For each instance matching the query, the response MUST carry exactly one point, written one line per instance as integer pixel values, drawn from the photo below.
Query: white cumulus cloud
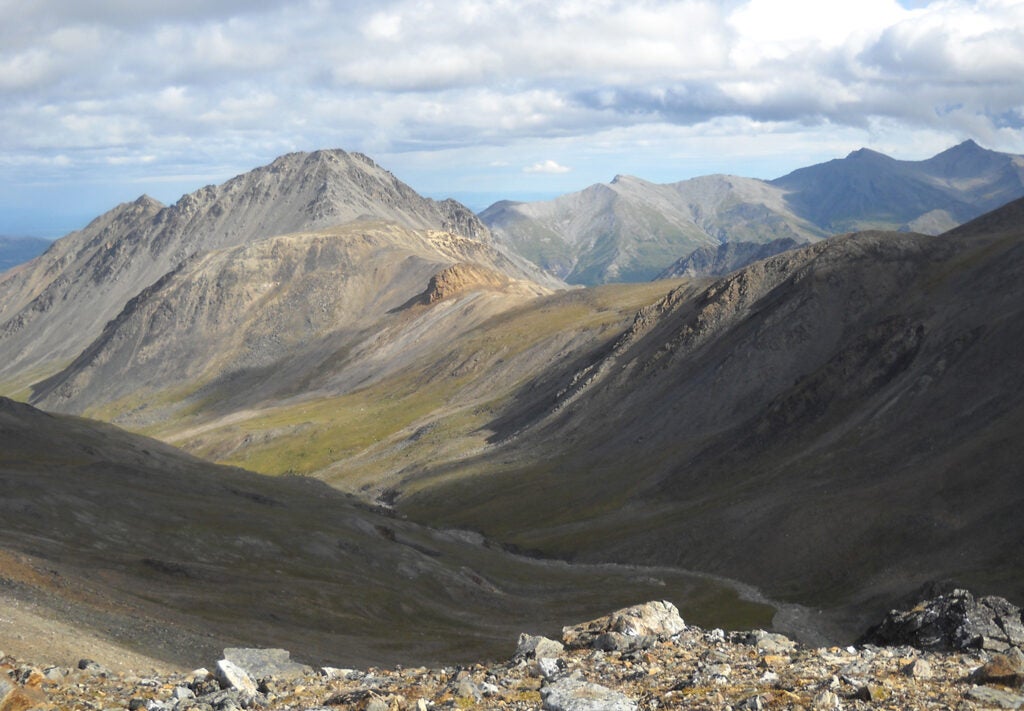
(546, 166)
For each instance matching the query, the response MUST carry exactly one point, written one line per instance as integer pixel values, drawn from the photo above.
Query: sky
(102, 101)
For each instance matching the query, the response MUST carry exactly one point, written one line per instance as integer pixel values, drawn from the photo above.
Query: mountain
(869, 190)
(836, 424)
(259, 320)
(15, 250)
(727, 257)
(631, 230)
(56, 305)
(164, 554)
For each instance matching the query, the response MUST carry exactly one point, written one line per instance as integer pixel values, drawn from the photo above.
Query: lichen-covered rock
(1003, 669)
(636, 627)
(953, 622)
(579, 695)
(536, 646)
(266, 663)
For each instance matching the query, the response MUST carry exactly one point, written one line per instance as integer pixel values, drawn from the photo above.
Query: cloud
(204, 86)
(546, 166)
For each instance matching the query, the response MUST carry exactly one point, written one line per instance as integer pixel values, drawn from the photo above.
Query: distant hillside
(869, 190)
(276, 316)
(837, 424)
(631, 230)
(16, 250)
(51, 309)
(727, 257)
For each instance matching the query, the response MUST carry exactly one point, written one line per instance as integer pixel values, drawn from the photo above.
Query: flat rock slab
(232, 676)
(995, 698)
(579, 695)
(266, 663)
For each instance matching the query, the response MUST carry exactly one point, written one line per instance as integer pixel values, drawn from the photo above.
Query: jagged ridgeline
(632, 229)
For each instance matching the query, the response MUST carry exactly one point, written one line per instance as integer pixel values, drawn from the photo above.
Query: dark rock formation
(952, 622)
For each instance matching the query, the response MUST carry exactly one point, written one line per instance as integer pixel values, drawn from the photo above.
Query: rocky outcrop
(631, 628)
(726, 258)
(953, 622)
(460, 278)
(693, 668)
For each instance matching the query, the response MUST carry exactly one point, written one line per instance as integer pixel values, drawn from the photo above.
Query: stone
(181, 692)
(549, 667)
(579, 695)
(92, 667)
(629, 629)
(956, 621)
(17, 698)
(266, 663)
(533, 646)
(1004, 669)
(467, 689)
(377, 704)
(872, 692)
(231, 676)
(996, 698)
(336, 673)
(826, 701)
(918, 669)
(767, 642)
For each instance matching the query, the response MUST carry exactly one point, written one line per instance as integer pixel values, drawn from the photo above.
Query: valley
(381, 433)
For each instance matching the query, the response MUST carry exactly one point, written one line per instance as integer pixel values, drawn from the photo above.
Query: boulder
(631, 628)
(536, 646)
(579, 695)
(956, 621)
(263, 664)
(232, 676)
(1003, 669)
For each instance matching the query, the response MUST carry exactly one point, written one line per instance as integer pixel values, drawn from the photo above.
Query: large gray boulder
(636, 627)
(579, 695)
(266, 663)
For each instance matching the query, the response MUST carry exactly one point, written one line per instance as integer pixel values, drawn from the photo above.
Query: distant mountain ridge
(96, 271)
(632, 230)
(869, 190)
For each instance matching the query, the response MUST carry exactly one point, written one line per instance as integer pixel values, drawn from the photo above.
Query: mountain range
(835, 424)
(631, 230)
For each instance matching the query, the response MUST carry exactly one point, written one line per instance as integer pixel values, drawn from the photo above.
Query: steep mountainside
(54, 306)
(165, 554)
(869, 190)
(727, 257)
(259, 320)
(16, 250)
(835, 423)
(631, 230)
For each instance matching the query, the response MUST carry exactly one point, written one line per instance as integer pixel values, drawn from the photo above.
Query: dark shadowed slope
(836, 424)
(166, 554)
